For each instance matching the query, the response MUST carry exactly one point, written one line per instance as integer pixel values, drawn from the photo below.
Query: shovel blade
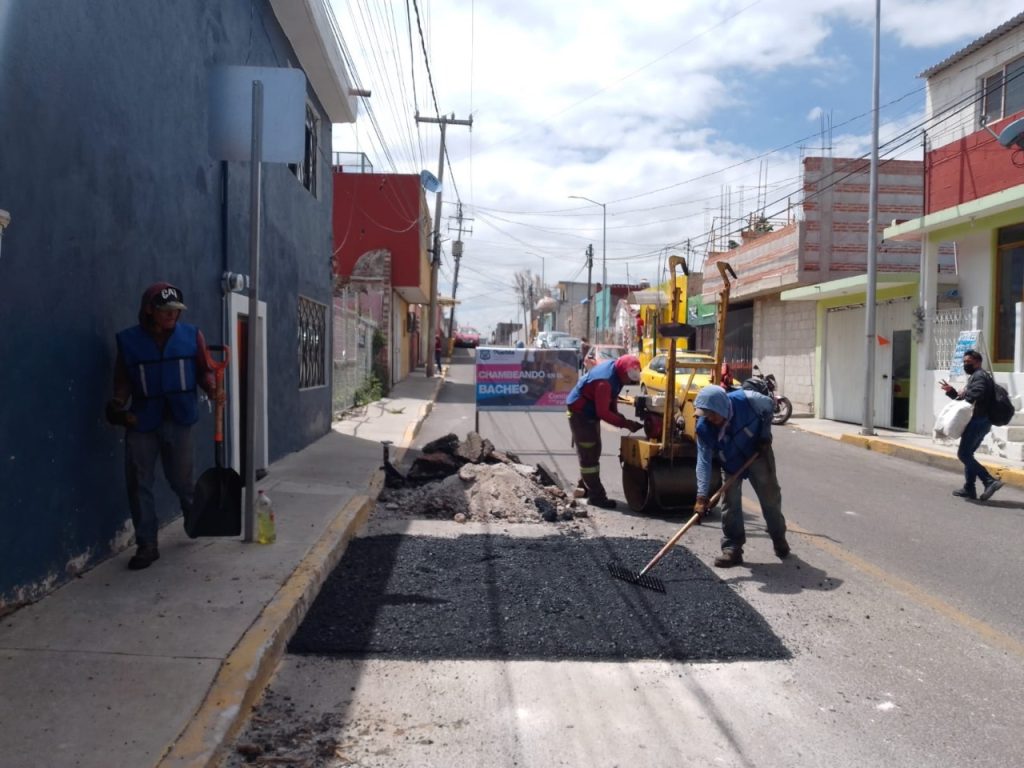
(216, 505)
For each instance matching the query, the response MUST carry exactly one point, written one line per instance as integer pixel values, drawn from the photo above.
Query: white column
(1018, 339)
(929, 293)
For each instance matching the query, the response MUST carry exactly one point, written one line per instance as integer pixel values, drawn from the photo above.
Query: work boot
(967, 492)
(781, 548)
(729, 557)
(601, 501)
(990, 488)
(144, 556)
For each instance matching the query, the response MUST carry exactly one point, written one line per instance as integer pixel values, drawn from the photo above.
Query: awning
(847, 286)
(650, 297)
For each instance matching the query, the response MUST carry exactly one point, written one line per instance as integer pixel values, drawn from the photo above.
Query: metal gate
(844, 360)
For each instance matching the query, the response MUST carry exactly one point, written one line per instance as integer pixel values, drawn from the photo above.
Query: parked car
(545, 339)
(653, 377)
(566, 342)
(467, 337)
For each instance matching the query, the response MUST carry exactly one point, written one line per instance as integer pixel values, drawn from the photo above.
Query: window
(1009, 288)
(306, 173)
(1002, 92)
(312, 343)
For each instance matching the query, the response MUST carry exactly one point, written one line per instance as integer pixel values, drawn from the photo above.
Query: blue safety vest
(742, 433)
(602, 372)
(162, 381)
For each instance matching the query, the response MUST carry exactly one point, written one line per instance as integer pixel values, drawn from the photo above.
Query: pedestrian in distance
(161, 364)
(732, 427)
(595, 399)
(437, 353)
(979, 392)
(584, 351)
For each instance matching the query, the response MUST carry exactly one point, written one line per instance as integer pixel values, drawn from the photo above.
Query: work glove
(701, 506)
(633, 426)
(118, 414)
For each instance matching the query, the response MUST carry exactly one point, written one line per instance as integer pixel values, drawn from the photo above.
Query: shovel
(641, 579)
(217, 503)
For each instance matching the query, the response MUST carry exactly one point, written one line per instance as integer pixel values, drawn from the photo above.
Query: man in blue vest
(160, 365)
(731, 428)
(594, 399)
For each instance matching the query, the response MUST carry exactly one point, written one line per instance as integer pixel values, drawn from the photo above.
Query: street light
(604, 253)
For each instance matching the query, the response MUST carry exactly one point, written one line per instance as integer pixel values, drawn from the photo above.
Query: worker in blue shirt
(732, 427)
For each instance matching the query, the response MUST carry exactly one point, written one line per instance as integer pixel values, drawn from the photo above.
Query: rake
(641, 579)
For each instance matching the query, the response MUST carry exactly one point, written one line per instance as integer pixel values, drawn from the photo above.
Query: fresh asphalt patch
(500, 597)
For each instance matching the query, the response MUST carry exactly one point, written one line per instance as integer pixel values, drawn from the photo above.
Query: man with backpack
(979, 392)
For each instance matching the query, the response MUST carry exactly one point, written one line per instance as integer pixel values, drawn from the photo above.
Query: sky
(683, 117)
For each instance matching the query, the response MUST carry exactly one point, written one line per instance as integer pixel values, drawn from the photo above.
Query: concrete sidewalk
(910, 446)
(159, 667)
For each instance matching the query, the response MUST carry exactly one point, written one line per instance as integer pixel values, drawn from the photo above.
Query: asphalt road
(898, 616)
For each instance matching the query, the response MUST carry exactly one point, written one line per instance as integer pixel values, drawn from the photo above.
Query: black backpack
(1000, 410)
(757, 385)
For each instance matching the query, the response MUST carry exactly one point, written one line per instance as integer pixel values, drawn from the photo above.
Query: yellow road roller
(659, 470)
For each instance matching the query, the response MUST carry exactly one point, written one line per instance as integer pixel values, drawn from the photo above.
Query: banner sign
(968, 340)
(524, 379)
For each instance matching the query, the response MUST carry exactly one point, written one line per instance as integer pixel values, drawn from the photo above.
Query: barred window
(306, 172)
(312, 343)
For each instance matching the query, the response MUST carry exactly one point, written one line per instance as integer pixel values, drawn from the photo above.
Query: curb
(247, 670)
(1009, 475)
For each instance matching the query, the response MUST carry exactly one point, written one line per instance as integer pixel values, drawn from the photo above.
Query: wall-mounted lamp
(5, 221)
(233, 282)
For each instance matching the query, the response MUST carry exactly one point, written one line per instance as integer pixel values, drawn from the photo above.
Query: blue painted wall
(105, 169)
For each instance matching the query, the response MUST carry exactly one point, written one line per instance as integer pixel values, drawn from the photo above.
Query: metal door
(844, 364)
(844, 360)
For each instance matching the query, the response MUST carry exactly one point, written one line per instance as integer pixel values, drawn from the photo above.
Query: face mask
(970, 368)
(633, 374)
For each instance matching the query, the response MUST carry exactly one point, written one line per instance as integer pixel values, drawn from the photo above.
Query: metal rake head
(648, 582)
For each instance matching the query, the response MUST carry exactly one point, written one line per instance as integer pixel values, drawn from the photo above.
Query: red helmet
(628, 368)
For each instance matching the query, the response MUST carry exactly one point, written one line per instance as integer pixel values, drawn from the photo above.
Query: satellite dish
(1013, 134)
(430, 182)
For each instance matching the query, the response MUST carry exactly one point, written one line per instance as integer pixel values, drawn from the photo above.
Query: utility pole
(870, 309)
(457, 254)
(590, 299)
(435, 259)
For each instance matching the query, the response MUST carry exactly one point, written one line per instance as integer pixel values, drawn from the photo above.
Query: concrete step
(1011, 433)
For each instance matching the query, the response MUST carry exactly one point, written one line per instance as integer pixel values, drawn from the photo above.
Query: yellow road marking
(923, 598)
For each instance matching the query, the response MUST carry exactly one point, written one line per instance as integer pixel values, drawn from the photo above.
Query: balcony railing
(351, 162)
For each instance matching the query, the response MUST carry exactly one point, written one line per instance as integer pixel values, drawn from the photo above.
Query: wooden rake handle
(696, 517)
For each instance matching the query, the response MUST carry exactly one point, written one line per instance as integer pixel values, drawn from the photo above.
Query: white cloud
(815, 114)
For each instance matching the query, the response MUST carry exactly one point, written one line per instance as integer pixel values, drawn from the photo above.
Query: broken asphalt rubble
(470, 480)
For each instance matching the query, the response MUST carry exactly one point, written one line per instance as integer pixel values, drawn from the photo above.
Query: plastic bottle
(266, 532)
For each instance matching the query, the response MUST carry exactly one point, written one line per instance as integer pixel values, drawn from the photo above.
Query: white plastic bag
(952, 420)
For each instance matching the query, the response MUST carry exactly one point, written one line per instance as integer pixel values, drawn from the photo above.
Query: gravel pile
(471, 481)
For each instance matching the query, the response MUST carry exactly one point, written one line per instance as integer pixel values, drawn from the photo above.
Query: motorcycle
(768, 386)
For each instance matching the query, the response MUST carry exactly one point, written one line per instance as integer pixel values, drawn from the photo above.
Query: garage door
(844, 360)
